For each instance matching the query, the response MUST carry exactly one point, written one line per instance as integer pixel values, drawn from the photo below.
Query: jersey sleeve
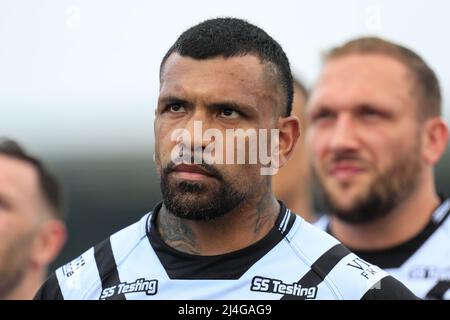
(353, 278)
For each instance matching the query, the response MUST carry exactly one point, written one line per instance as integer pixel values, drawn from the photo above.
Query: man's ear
(289, 133)
(434, 140)
(48, 242)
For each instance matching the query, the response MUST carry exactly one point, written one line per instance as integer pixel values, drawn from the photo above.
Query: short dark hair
(231, 37)
(429, 93)
(49, 184)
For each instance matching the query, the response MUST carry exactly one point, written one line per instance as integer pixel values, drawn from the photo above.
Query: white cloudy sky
(80, 77)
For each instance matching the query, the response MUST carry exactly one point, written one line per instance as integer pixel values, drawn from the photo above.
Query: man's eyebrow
(226, 104)
(233, 105)
(314, 109)
(374, 106)
(172, 99)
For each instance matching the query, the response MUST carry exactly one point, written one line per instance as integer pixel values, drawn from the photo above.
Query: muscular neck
(237, 229)
(400, 225)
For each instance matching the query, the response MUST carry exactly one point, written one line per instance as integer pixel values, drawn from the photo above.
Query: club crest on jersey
(69, 269)
(269, 285)
(149, 287)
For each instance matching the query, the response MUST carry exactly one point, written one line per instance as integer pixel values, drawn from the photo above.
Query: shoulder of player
(77, 278)
(345, 274)
(352, 277)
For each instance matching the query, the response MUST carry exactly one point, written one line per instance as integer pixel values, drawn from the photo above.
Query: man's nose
(344, 135)
(196, 126)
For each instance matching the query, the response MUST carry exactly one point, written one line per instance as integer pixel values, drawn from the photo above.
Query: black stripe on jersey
(319, 269)
(107, 268)
(291, 221)
(50, 290)
(389, 288)
(438, 291)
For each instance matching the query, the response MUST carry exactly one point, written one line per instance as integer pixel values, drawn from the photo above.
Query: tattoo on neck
(175, 233)
(263, 216)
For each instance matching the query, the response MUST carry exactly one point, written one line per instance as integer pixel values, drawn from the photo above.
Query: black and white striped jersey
(294, 261)
(423, 262)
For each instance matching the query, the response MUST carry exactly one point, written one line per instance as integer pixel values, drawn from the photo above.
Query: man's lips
(191, 172)
(344, 171)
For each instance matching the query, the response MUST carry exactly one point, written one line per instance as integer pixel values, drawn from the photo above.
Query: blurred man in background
(375, 133)
(292, 183)
(31, 229)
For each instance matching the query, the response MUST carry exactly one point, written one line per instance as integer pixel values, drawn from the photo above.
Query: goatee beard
(197, 201)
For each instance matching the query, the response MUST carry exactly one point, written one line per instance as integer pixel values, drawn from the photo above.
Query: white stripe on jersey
(288, 214)
(284, 221)
(123, 243)
(141, 260)
(308, 243)
(440, 212)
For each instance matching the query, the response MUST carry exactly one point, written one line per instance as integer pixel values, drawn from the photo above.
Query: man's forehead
(240, 77)
(16, 174)
(238, 67)
(364, 77)
(365, 68)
